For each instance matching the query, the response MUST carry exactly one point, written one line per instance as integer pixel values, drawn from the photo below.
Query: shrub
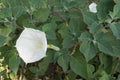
(82, 44)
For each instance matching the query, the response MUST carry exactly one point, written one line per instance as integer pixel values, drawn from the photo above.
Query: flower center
(39, 44)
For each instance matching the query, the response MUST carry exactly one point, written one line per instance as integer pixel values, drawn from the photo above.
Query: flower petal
(31, 45)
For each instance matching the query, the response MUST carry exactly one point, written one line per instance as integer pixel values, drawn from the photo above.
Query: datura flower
(92, 7)
(31, 45)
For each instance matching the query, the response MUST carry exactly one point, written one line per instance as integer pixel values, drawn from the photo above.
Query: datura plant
(59, 39)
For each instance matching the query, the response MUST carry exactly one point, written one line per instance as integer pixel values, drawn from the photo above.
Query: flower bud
(92, 8)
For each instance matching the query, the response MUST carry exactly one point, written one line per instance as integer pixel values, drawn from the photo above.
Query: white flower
(92, 7)
(31, 45)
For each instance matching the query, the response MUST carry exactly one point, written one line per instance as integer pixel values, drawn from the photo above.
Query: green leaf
(89, 18)
(116, 11)
(68, 42)
(71, 76)
(82, 3)
(5, 31)
(2, 40)
(13, 3)
(104, 43)
(35, 70)
(92, 21)
(12, 76)
(88, 49)
(104, 7)
(68, 39)
(6, 53)
(111, 39)
(78, 66)
(118, 77)
(106, 62)
(76, 25)
(16, 8)
(63, 61)
(41, 14)
(90, 70)
(25, 20)
(14, 62)
(116, 48)
(94, 27)
(64, 28)
(75, 13)
(43, 65)
(105, 47)
(102, 75)
(17, 11)
(5, 12)
(50, 29)
(105, 77)
(37, 3)
(86, 36)
(115, 28)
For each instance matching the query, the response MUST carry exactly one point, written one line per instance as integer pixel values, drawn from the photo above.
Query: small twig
(116, 66)
(74, 48)
(59, 15)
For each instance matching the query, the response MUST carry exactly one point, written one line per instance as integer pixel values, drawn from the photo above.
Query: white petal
(31, 45)
(92, 7)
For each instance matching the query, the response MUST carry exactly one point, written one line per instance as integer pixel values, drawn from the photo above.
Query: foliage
(89, 42)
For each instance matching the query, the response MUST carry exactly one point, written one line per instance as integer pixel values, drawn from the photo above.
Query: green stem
(116, 66)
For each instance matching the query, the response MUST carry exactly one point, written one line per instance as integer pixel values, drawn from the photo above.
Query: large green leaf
(43, 65)
(5, 12)
(5, 31)
(37, 3)
(41, 14)
(68, 42)
(115, 28)
(50, 30)
(105, 47)
(104, 43)
(76, 25)
(35, 70)
(89, 18)
(17, 11)
(88, 49)
(71, 76)
(104, 7)
(14, 62)
(79, 67)
(82, 3)
(6, 53)
(63, 61)
(106, 62)
(68, 38)
(15, 8)
(109, 37)
(64, 28)
(86, 36)
(116, 11)
(94, 27)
